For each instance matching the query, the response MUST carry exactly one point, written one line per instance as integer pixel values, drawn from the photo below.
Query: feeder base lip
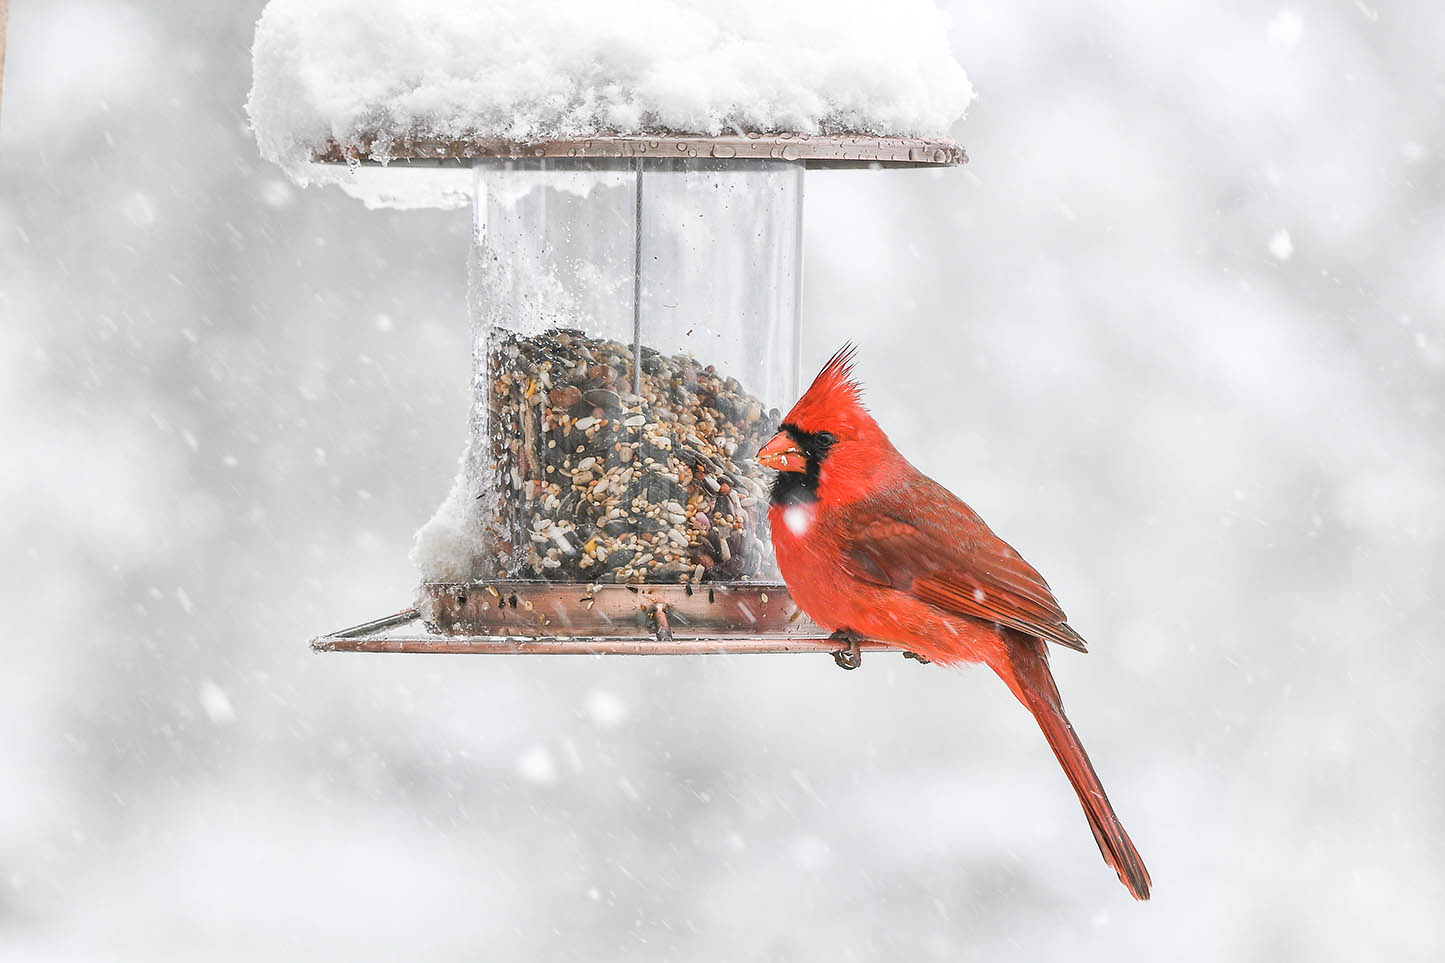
(549, 618)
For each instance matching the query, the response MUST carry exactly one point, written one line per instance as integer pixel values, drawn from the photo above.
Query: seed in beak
(782, 454)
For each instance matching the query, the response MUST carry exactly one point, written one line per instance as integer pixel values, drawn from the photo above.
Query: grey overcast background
(1178, 332)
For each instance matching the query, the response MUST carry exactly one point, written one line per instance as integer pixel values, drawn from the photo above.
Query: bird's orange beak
(782, 454)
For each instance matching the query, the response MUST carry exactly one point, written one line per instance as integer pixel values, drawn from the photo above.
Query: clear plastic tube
(636, 330)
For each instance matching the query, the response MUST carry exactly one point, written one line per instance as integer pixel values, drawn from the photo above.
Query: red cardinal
(872, 548)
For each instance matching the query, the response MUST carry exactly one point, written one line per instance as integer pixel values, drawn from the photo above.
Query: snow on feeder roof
(825, 81)
(636, 175)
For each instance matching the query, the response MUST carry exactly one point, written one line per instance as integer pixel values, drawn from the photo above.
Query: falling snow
(1281, 246)
(798, 518)
(536, 765)
(216, 703)
(1228, 465)
(1286, 28)
(605, 709)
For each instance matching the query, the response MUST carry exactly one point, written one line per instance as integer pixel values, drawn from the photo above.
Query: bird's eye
(826, 438)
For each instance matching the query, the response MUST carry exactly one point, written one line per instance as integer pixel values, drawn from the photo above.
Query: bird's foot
(852, 656)
(916, 658)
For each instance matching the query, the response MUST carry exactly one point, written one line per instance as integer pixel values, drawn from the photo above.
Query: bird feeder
(634, 305)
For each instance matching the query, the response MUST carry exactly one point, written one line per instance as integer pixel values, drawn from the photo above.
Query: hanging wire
(637, 283)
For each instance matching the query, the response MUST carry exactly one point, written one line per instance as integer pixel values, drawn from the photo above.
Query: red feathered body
(870, 545)
(811, 541)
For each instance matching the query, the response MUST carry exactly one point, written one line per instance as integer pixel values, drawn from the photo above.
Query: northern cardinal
(872, 548)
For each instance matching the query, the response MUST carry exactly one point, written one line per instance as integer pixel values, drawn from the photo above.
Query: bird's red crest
(833, 397)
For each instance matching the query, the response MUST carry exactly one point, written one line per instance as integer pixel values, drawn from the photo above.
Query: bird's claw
(851, 657)
(916, 658)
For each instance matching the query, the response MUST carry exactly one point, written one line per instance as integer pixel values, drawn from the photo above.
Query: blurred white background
(1178, 332)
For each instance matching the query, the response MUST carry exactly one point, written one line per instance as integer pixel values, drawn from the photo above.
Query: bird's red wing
(922, 540)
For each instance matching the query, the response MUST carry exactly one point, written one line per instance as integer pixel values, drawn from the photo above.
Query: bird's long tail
(1028, 676)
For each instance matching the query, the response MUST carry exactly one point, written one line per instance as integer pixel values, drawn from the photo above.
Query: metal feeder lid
(816, 151)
